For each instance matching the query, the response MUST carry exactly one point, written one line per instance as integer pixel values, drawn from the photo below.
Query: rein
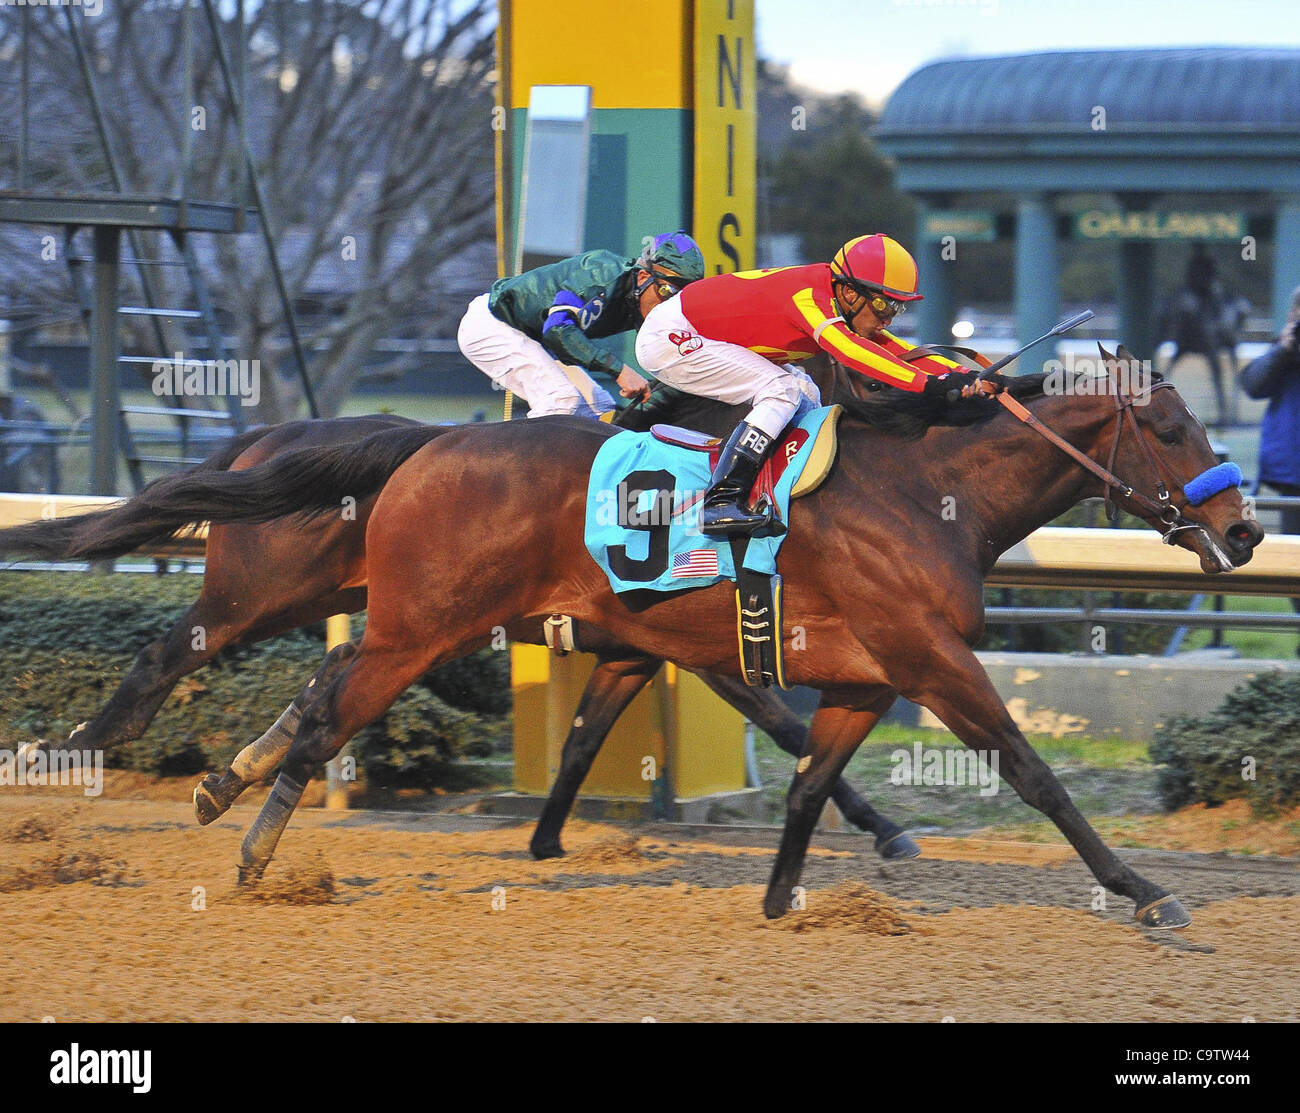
(1160, 507)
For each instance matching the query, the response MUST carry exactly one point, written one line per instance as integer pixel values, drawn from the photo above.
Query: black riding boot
(724, 510)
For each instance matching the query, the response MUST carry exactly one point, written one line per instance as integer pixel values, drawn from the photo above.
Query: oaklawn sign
(1115, 224)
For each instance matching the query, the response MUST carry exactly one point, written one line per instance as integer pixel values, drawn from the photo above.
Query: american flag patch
(698, 562)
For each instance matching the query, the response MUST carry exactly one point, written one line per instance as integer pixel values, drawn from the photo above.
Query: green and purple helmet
(672, 257)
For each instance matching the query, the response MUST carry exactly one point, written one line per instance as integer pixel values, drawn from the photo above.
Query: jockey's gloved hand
(952, 384)
(994, 384)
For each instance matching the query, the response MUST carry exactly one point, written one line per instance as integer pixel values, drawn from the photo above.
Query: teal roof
(1230, 90)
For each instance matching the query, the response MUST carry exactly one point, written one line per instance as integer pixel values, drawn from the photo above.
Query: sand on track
(125, 910)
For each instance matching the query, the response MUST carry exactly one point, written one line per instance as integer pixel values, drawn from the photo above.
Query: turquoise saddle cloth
(643, 514)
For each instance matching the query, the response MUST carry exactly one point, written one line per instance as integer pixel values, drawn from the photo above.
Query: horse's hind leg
(365, 689)
(612, 686)
(767, 712)
(959, 691)
(216, 792)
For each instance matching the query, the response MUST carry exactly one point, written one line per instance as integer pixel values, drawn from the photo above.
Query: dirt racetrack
(391, 917)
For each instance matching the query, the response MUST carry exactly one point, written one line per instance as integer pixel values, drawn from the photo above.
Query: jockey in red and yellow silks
(733, 336)
(788, 314)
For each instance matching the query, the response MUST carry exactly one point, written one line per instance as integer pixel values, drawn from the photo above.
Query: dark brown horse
(481, 527)
(263, 579)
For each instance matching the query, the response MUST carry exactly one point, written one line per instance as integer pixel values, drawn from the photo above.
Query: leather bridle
(1171, 518)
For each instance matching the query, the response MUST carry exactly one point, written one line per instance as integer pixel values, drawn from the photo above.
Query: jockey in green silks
(532, 334)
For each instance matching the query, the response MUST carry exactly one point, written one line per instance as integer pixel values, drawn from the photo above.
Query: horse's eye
(1172, 436)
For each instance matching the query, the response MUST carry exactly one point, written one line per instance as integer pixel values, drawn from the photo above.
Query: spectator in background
(1201, 319)
(1276, 376)
(1203, 281)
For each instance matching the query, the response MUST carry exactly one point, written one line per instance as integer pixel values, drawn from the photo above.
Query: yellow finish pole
(338, 631)
(504, 181)
(501, 152)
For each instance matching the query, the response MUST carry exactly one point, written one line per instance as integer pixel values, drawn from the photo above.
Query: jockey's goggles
(881, 306)
(665, 284)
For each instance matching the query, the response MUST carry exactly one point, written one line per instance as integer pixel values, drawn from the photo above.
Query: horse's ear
(1126, 355)
(1107, 359)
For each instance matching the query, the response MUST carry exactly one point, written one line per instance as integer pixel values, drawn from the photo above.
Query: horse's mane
(900, 413)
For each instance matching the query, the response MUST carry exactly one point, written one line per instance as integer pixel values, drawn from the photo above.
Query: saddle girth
(758, 622)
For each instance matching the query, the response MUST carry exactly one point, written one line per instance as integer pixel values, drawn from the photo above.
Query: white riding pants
(520, 364)
(670, 349)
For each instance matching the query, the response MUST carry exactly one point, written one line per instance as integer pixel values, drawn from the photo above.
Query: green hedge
(67, 640)
(1249, 747)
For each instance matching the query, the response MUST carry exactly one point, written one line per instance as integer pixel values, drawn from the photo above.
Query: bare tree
(371, 130)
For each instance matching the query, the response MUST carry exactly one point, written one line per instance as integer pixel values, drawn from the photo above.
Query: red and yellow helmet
(877, 265)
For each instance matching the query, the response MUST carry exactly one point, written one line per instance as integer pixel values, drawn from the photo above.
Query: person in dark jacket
(1276, 376)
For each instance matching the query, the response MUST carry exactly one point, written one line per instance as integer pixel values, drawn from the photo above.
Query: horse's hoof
(541, 851)
(206, 806)
(774, 907)
(249, 876)
(898, 847)
(1165, 913)
(28, 750)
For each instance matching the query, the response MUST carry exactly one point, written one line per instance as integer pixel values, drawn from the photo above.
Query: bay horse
(263, 579)
(480, 527)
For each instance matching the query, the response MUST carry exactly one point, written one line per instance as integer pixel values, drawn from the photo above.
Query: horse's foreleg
(959, 691)
(612, 686)
(216, 792)
(186, 647)
(222, 615)
(766, 711)
(837, 729)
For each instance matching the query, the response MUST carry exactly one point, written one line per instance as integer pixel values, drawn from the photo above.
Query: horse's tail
(310, 481)
(49, 539)
(52, 538)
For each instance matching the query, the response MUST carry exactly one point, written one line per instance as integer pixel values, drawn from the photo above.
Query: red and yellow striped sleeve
(857, 352)
(932, 365)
